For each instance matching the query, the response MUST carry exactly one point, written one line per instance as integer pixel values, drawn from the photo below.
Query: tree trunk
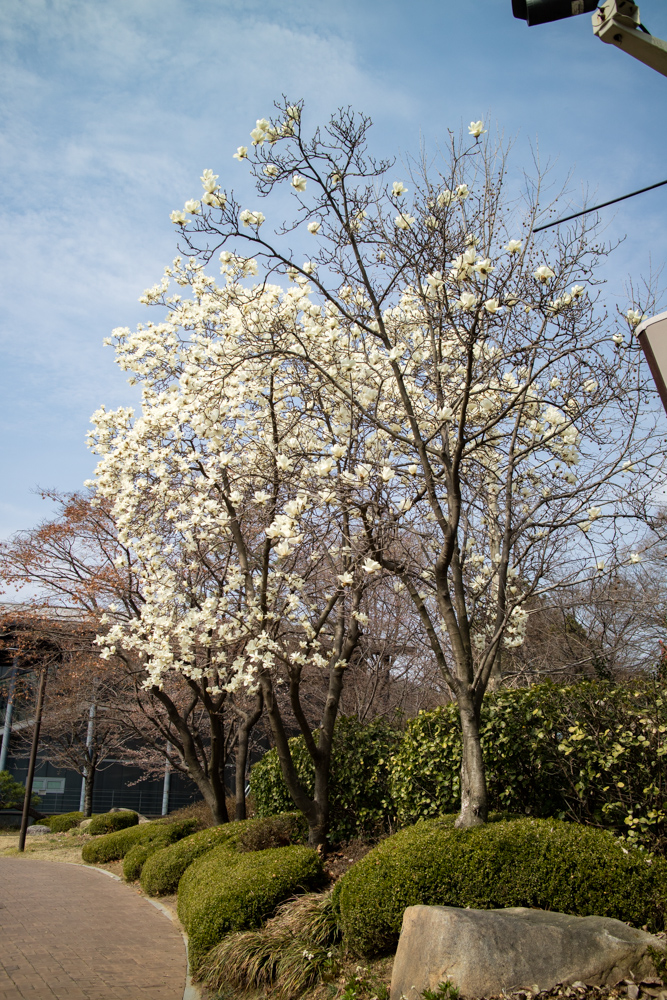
(473, 783)
(88, 791)
(241, 762)
(246, 722)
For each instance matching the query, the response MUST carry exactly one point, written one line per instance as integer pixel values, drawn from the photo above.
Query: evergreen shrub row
(112, 821)
(161, 836)
(163, 870)
(545, 864)
(63, 822)
(114, 846)
(227, 891)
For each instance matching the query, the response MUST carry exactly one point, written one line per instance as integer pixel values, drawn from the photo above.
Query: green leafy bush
(162, 871)
(545, 864)
(114, 846)
(12, 792)
(359, 778)
(64, 822)
(226, 891)
(161, 836)
(594, 752)
(110, 822)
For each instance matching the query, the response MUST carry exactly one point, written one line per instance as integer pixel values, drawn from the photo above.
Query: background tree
(78, 731)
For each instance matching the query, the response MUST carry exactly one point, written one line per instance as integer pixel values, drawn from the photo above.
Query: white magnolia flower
(271, 170)
(445, 413)
(492, 306)
(593, 513)
(590, 385)
(178, 218)
(241, 153)
(484, 267)
(403, 221)
(216, 199)
(634, 317)
(298, 182)
(635, 557)
(618, 339)
(467, 301)
(284, 462)
(387, 473)
(476, 129)
(193, 207)
(412, 469)
(314, 227)
(338, 450)
(398, 188)
(371, 566)
(600, 565)
(431, 222)
(514, 246)
(282, 548)
(251, 218)
(555, 382)
(462, 191)
(445, 198)
(543, 274)
(345, 579)
(309, 267)
(208, 179)
(577, 291)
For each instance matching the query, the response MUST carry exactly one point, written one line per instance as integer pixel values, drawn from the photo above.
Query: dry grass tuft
(294, 950)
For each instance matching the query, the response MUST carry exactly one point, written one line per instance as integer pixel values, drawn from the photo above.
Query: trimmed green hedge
(63, 822)
(360, 799)
(545, 864)
(110, 822)
(114, 846)
(161, 872)
(161, 836)
(225, 891)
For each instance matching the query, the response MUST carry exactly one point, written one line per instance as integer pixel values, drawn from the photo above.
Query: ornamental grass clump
(294, 950)
(112, 821)
(544, 864)
(225, 891)
(162, 871)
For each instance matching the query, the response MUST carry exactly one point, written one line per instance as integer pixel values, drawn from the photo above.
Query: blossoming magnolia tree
(504, 414)
(253, 560)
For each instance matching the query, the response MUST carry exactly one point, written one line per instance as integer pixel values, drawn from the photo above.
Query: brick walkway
(67, 931)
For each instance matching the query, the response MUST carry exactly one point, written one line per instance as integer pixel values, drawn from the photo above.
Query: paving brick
(72, 932)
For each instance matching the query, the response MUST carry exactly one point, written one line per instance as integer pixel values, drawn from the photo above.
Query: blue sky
(110, 110)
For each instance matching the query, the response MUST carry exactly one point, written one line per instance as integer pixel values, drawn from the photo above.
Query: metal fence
(147, 802)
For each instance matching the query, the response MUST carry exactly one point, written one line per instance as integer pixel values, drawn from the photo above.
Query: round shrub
(161, 835)
(359, 779)
(226, 891)
(64, 822)
(110, 822)
(162, 871)
(544, 864)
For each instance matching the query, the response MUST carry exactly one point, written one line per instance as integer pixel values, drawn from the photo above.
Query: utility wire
(604, 204)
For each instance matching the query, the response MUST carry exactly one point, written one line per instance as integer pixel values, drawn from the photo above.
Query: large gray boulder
(483, 952)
